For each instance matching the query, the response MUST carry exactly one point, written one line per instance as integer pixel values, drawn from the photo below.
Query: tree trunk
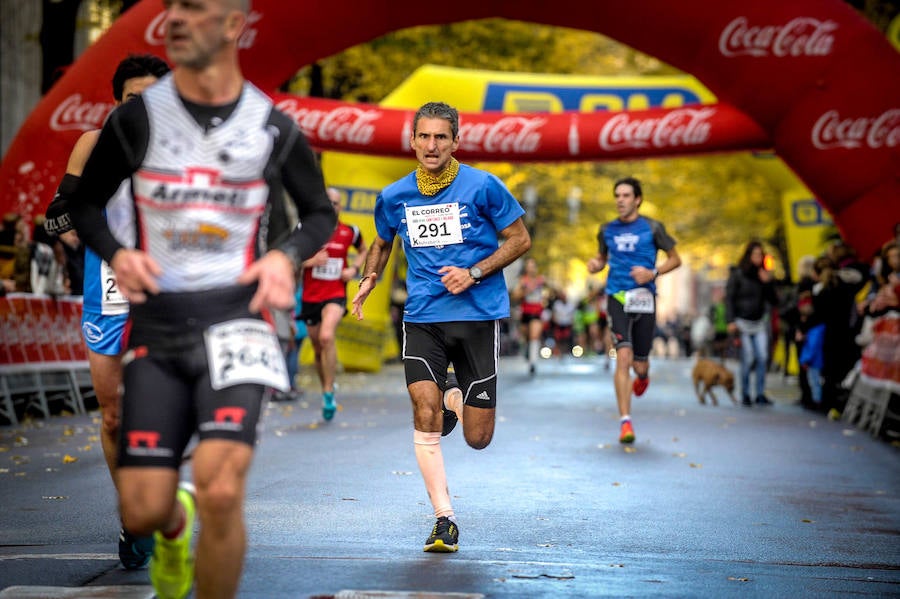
(20, 65)
(57, 39)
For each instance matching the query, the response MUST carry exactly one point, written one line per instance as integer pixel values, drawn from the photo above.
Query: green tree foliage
(712, 205)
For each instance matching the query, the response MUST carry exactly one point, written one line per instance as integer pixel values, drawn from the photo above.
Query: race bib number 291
(245, 351)
(434, 225)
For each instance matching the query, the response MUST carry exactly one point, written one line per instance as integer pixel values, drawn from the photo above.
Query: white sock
(533, 349)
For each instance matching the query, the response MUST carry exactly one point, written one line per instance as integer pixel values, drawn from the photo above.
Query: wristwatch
(476, 274)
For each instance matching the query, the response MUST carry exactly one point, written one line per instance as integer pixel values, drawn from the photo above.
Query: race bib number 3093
(639, 301)
(245, 351)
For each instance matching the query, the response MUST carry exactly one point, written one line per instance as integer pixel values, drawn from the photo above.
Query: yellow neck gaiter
(429, 185)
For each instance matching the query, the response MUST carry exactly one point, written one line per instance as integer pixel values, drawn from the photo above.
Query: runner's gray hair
(438, 110)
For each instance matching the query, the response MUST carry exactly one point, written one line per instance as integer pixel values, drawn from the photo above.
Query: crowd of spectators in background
(826, 314)
(822, 320)
(33, 261)
(836, 299)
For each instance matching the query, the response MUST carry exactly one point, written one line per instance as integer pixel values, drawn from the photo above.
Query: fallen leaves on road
(695, 465)
(68, 459)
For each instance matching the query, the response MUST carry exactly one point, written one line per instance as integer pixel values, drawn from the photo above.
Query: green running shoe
(172, 566)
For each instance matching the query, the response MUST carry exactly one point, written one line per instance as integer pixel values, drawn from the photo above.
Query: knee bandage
(422, 438)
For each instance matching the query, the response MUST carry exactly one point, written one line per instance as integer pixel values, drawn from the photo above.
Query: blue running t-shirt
(631, 244)
(456, 227)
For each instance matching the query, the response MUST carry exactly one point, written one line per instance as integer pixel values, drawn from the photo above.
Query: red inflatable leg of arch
(817, 78)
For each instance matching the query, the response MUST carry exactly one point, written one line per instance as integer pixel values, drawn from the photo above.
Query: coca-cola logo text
(344, 124)
(802, 36)
(682, 127)
(832, 131)
(508, 135)
(155, 34)
(75, 114)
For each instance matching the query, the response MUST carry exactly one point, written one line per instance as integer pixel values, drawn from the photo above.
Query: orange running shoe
(640, 385)
(627, 433)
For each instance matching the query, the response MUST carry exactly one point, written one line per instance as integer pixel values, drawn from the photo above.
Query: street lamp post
(530, 197)
(574, 203)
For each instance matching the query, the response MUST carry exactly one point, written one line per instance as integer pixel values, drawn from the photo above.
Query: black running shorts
(168, 396)
(631, 330)
(311, 312)
(472, 346)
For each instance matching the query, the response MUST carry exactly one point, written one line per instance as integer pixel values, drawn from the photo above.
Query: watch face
(475, 272)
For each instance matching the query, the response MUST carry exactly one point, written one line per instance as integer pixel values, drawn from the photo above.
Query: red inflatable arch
(809, 78)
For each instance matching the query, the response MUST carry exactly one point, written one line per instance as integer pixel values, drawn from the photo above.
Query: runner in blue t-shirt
(448, 216)
(105, 309)
(629, 245)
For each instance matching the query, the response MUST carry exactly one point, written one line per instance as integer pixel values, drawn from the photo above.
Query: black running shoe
(134, 552)
(450, 417)
(444, 536)
(451, 385)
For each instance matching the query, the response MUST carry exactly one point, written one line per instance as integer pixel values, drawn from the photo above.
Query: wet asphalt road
(709, 502)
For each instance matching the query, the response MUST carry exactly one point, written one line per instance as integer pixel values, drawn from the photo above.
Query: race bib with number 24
(245, 351)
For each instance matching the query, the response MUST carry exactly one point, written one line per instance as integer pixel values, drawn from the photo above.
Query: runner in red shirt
(531, 294)
(325, 277)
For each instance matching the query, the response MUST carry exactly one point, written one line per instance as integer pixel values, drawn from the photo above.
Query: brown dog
(709, 373)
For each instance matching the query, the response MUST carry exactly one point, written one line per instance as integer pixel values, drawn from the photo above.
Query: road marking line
(83, 556)
(98, 592)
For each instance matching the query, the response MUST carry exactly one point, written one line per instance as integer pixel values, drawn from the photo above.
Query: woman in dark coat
(749, 296)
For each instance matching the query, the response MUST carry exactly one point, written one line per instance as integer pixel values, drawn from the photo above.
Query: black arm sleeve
(119, 150)
(601, 241)
(58, 221)
(299, 171)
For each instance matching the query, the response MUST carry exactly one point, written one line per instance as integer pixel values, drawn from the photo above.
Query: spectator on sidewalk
(835, 305)
(749, 296)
